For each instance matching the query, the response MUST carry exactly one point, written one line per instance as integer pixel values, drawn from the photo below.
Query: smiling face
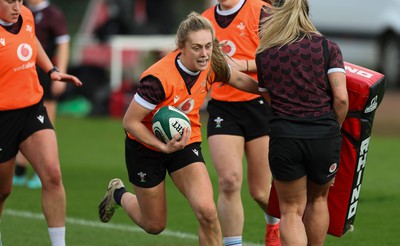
(197, 50)
(9, 10)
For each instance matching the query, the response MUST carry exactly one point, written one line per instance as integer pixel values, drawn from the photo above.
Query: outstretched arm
(44, 62)
(62, 56)
(243, 82)
(243, 65)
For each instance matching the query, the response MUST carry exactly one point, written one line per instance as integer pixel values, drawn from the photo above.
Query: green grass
(92, 153)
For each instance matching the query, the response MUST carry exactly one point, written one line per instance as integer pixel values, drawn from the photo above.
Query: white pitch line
(96, 224)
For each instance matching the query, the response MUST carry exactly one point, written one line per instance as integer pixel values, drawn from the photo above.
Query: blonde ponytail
(286, 24)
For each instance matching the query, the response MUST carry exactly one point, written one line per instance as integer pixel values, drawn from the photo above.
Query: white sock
(233, 241)
(271, 220)
(57, 236)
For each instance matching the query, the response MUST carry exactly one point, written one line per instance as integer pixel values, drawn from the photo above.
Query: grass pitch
(92, 153)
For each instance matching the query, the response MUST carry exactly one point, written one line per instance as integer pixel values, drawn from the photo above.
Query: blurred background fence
(98, 27)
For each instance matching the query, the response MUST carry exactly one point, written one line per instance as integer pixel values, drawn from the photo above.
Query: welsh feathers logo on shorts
(24, 52)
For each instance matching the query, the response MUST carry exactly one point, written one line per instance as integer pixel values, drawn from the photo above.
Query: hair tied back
(279, 3)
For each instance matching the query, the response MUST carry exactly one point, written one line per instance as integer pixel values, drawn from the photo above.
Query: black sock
(118, 195)
(20, 170)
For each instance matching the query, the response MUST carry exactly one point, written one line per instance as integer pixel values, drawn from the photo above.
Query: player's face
(9, 10)
(196, 54)
(33, 2)
(227, 4)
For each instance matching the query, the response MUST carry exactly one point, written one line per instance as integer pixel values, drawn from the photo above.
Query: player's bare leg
(42, 152)
(292, 197)
(6, 173)
(195, 184)
(316, 215)
(227, 155)
(151, 213)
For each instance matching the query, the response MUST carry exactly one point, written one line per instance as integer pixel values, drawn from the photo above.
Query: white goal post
(119, 43)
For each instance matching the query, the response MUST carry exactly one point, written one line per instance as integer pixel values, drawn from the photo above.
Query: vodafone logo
(24, 52)
(333, 167)
(228, 47)
(187, 105)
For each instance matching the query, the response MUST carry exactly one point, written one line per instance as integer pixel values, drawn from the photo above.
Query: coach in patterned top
(305, 77)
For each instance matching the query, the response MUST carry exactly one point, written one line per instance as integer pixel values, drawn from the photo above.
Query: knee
(207, 214)
(4, 194)
(230, 182)
(154, 228)
(52, 178)
(317, 197)
(260, 195)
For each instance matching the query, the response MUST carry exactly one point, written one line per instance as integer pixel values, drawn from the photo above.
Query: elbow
(342, 106)
(125, 124)
(344, 102)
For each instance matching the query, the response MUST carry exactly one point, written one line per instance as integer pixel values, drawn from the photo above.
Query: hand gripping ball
(168, 121)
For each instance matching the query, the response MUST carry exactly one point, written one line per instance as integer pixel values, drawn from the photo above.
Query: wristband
(247, 65)
(54, 69)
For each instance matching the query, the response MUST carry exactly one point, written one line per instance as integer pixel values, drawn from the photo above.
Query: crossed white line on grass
(130, 228)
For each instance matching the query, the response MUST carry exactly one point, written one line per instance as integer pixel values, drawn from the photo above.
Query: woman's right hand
(178, 142)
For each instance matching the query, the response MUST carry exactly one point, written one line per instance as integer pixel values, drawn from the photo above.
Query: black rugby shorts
(291, 159)
(248, 119)
(147, 168)
(17, 125)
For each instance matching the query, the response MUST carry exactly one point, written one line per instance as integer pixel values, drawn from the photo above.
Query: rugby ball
(168, 121)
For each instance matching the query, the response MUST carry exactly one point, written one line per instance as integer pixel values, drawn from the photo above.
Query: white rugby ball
(168, 121)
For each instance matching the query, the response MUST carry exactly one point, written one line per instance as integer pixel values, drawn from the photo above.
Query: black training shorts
(17, 125)
(147, 168)
(291, 159)
(248, 119)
